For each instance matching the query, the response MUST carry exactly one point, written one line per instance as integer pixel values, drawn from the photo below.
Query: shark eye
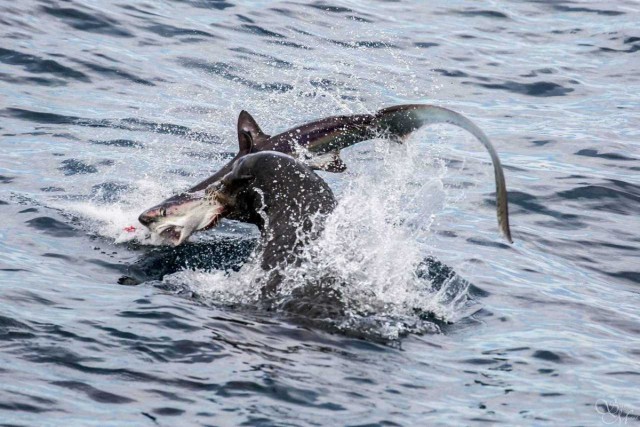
(163, 212)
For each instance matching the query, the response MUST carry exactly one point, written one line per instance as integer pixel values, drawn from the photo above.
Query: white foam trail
(114, 220)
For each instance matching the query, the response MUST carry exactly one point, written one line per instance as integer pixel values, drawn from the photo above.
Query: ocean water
(106, 108)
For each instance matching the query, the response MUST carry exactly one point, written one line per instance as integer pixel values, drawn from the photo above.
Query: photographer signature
(614, 413)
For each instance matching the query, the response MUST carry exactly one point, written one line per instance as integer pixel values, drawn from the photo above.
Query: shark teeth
(171, 233)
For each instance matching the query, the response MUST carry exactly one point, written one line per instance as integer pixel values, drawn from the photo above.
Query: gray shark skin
(318, 145)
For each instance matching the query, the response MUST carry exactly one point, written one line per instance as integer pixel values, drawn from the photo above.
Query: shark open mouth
(199, 216)
(172, 233)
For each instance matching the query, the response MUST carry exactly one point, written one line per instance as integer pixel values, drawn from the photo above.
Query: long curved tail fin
(404, 119)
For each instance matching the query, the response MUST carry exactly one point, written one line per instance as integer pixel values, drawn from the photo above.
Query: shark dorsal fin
(249, 133)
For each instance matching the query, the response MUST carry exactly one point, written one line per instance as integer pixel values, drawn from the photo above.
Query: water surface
(105, 109)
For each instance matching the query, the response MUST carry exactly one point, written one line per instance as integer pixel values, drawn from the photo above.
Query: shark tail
(401, 120)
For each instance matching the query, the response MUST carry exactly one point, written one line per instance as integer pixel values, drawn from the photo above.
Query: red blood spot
(130, 229)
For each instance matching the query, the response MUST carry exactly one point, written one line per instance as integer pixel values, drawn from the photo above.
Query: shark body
(318, 145)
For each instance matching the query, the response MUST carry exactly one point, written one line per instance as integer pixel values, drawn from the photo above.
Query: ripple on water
(34, 64)
(52, 227)
(91, 21)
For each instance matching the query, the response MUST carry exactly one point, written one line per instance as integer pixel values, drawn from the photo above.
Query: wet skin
(283, 197)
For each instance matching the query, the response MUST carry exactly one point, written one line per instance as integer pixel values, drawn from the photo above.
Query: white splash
(119, 220)
(378, 235)
(372, 246)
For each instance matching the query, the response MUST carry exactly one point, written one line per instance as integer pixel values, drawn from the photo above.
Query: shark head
(179, 217)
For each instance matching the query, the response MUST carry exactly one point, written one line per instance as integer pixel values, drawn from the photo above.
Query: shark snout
(147, 217)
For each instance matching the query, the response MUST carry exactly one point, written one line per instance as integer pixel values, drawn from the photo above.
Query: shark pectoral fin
(330, 162)
(336, 164)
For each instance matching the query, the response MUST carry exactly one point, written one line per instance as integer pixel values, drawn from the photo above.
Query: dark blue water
(107, 108)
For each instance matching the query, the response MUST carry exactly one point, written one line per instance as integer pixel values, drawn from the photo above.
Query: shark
(317, 144)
